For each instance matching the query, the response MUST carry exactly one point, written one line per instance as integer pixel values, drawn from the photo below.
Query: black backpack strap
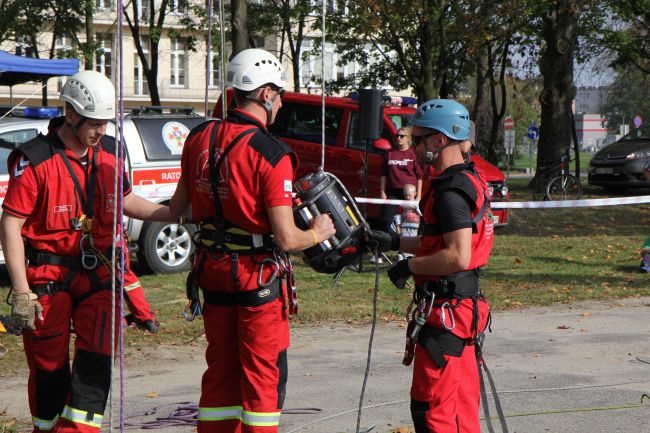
(216, 167)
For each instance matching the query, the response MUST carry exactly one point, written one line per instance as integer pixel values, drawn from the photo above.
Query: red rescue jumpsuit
(244, 385)
(446, 400)
(41, 191)
(134, 294)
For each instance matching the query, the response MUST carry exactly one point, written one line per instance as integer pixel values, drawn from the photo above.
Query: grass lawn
(542, 257)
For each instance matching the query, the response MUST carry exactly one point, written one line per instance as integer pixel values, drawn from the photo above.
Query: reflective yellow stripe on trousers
(82, 417)
(220, 413)
(44, 424)
(261, 419)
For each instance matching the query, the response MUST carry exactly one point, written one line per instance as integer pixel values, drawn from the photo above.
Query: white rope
(208, 58)
(322, 85)
(23, 101)
(117, 213)
(222, 61)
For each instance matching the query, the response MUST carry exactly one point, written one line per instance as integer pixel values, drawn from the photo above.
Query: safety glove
(399, 273)
(24, 309)
(386, 241)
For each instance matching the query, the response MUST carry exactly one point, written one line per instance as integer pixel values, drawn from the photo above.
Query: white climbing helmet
(91, 94)
(254, 67)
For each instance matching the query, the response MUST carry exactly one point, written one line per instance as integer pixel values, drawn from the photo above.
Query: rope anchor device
(323, 193)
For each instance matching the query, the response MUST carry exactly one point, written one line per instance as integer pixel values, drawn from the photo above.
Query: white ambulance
(154, 143)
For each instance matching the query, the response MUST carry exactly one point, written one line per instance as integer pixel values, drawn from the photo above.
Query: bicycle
(557, 183)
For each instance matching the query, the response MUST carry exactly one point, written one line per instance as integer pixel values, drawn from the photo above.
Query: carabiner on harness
(423, 310)
(274, 274)
(443, 316)
(417, 317)
(89, 260)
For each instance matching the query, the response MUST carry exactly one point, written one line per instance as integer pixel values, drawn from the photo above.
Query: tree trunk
(556, 65)
(239, 17)
(481, 111)
(89, 47)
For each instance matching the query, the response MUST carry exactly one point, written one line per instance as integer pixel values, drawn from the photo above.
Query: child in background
(407, 218)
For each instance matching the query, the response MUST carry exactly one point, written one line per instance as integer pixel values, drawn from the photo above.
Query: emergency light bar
(36, 112)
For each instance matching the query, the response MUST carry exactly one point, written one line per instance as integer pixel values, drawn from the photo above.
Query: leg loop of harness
(248, 298)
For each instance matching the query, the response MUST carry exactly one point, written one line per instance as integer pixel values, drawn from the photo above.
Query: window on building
(179, 7)
(140, 84)
(24, 46)
(104, 54)
(311, 65)
(178, 66)
(143, 7)
(104, 4)
(215, 68)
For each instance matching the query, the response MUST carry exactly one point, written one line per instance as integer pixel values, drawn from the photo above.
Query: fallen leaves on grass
(152, 394)
(401, 430)
(518, 261)
(563, 327)
(586, 314)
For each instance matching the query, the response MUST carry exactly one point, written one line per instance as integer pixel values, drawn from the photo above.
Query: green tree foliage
(630, 38)
(627, 97)
(404, 43)
(288, 18)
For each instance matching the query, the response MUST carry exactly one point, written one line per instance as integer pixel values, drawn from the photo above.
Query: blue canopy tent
(17, 69)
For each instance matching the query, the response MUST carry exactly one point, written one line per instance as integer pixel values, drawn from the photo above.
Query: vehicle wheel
(165, 247)
(564, 188)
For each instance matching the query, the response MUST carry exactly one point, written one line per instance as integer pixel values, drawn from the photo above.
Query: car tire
(165, 248)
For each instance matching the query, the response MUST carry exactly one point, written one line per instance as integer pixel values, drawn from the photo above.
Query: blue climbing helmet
(444, 115)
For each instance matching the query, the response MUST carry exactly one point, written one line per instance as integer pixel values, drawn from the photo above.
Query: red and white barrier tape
(533, 204)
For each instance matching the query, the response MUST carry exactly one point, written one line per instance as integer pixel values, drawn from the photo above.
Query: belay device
(323, 193)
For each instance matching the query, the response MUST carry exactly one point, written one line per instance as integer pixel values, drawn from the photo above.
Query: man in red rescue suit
(450, 312)
(238, 182)
(58, 215)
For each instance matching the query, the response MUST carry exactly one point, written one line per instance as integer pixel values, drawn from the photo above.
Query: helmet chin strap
(267, 105)
(430, 155)
(75, 128)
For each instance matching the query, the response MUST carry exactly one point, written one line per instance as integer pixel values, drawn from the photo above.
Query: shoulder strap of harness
(215, 167)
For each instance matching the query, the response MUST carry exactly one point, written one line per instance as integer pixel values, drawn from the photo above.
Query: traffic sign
(638, 121)
(533, 133)
(508, 124)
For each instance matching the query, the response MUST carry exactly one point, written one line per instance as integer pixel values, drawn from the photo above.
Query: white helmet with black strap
(91, 94)
(253, 68)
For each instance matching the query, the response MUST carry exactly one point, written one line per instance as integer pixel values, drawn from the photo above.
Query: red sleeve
(278, 184)
(22, 191)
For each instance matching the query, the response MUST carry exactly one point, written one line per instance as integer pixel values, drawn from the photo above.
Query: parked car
(619, 166)
(154, 143)
(298, 123)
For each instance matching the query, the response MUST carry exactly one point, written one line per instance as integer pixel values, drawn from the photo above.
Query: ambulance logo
(174, 135)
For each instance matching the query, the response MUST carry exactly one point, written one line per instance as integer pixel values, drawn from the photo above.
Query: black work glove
(386, 241)
(399, 273)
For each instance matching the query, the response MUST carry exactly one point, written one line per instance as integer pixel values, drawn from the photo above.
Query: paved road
(579, 368)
